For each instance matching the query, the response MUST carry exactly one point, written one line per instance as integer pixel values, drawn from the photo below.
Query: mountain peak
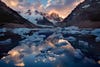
(52, 16)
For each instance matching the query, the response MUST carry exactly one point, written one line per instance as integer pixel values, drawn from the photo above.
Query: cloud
(61, 7)
(24, 5)
(11, 3)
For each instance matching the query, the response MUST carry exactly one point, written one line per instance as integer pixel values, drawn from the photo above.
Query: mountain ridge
(85, 15)
(11, 19)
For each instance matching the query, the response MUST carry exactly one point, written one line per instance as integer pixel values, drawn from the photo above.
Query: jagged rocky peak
(86, 14)
(53, 16)
(44, 20)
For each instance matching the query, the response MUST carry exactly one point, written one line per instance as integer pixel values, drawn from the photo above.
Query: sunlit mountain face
(60, 7)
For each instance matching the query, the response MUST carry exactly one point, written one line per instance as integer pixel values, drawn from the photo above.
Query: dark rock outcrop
(85, 15)
(44, 21)
(54, 16)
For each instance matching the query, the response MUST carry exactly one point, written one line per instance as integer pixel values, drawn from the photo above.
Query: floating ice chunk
(2, 34)
(98, 2)
(85, 32)
(59, 51)
(96, 32)
(83, 44)
(71, 39)
(74, 32)
(61, 44)
(78, 54)
(48, 48)
(45, 31)
(8, 41)
(52, 58)
(3, 29)
(97, 39)
(55, 37)
(32, 40)
(21, 31)
(72, 28)
(44, 60)
(42, 36)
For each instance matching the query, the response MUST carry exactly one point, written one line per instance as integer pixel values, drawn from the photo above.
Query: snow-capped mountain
(85, 15)
(37, 18)
(41, 18)
(10, 18)
(53, 16)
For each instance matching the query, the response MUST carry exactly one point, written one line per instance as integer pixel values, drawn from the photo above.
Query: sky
(61, 7)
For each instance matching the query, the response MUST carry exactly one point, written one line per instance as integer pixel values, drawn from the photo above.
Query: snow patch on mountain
(86, 6)
(32, 18)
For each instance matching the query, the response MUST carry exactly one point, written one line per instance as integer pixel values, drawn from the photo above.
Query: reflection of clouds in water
(68, 45)
(14, 56)
(42, 53)
(54, 49)
(20, 64)
(99, 61)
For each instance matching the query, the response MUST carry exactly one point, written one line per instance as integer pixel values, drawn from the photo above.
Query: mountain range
(85, 15)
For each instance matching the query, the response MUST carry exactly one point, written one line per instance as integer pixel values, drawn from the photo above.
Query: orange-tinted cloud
(62, 7)
(11, 3)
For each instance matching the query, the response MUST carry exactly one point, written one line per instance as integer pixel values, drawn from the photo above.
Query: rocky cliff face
(10, 18)
(44, 21)
(85, 15)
